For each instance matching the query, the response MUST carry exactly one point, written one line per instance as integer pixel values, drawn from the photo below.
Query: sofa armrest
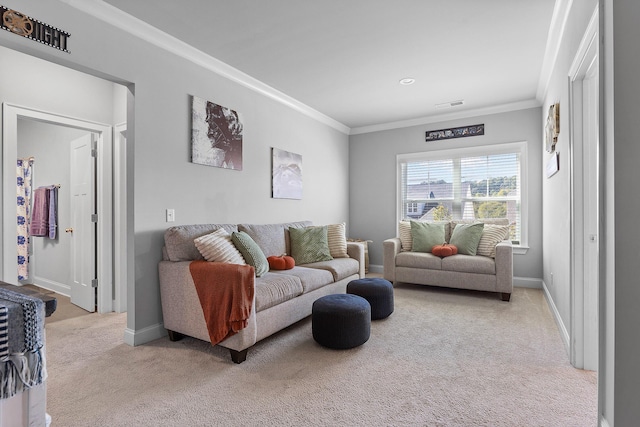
(391, 248)
(504, 267)
(355, 250)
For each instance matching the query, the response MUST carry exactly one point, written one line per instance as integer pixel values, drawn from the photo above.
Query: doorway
(104, 166)
(586, 200)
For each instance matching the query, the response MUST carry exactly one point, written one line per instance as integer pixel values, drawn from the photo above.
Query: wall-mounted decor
(216, 135)
(24, 26)
(552, 128)
(553, 164)
(286, 176)
(459, 132)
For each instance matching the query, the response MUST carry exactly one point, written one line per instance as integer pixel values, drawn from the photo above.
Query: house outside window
(465, 184)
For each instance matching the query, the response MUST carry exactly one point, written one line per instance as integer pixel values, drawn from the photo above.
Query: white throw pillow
(491, 236)
(405, 236)
(337, 239)
(218, 247)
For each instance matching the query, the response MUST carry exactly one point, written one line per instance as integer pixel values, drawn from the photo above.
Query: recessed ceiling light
(407, 81)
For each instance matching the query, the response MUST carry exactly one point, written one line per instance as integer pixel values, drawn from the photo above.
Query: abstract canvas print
(216, 135)
(287, 175)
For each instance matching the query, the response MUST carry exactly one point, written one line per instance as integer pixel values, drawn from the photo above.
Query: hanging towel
(40, 214)
(23, 194)
(53, 211)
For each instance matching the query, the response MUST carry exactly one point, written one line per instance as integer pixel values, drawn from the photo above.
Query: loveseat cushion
(469, 264)
(179, 239)
(422, 260)
(426, 235)
(273, 239)
(273, 289)
(339, 267)
(311, 278)
(466, 237)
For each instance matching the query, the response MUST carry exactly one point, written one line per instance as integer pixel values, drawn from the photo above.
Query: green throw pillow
(251, 252)
(426, 235)
(309, 244)
(466, 237)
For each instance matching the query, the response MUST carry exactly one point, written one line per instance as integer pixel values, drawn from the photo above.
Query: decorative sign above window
(22, 25)
(461, 132)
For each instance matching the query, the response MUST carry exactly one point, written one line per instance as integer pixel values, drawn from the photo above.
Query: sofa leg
(238, 356)
(506, 296)
(175, 336)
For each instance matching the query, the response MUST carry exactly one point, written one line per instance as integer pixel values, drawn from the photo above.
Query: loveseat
(279, 297)
(488, 268)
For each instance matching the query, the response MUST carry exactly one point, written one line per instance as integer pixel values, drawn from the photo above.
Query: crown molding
(554, 39)
(144, 31)
(496, 109)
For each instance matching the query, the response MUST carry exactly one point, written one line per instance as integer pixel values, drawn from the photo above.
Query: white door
(591, 218)
(83, 229)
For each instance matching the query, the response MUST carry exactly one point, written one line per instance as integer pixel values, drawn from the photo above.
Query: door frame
(104, 179)
(586, 54)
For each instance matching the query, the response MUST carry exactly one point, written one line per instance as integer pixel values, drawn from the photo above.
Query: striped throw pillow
(491, 236)
(217, 247)
(405, 236)
(337, 240)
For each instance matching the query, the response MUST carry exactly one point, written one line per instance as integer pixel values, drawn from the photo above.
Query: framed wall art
(286, 177)
(552, 128)
(216, 135)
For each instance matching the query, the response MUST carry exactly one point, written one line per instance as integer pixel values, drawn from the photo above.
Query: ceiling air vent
(449, 104)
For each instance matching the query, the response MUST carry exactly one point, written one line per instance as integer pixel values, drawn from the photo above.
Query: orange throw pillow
(282, 262)
(444, 250)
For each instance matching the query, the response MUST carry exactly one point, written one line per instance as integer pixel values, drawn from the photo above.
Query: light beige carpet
(443, 358)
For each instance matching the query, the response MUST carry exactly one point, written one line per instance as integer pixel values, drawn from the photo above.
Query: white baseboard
(52, 285)
(603, 422)
(564, 333)
(527, 282)
(144, 335)
(374, 268)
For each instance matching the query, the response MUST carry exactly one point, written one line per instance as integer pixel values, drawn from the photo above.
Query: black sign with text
(22, 25)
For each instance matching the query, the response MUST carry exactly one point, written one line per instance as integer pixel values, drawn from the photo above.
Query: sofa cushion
(469, 264)
(467, 237)
(426, 235)
(309, 244)
(337, 240)
(179, 239)
(339, 267)
(217, 247)
(418, 260)
(273, 289)
(311, 278)
(251, 252)
(491, 236)
(273, 239)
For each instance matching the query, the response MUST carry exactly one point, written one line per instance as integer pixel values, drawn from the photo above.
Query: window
(471, 183)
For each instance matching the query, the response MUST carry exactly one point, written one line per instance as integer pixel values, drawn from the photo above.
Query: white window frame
(484, 150)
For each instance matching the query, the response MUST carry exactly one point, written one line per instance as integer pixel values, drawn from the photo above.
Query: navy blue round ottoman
(379, 293)
(341, 321)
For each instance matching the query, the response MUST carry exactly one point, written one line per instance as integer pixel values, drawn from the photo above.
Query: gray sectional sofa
(281, 298)
(476, 272)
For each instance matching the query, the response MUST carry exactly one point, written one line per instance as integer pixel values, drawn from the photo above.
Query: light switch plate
(171, 215)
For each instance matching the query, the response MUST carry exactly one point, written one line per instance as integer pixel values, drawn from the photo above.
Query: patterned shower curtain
(24, 207)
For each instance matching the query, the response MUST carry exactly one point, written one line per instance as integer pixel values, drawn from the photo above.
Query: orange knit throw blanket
(226, 295)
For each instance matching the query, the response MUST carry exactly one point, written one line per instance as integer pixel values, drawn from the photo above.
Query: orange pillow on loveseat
(444, 250)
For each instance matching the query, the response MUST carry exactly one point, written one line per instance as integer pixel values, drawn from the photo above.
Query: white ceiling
(345, 58)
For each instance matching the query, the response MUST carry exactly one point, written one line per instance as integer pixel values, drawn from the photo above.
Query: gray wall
(158, 139)
(49, 145)
(373, 176)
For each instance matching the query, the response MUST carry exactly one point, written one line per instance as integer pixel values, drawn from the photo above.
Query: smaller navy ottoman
(379, 293)
(341, 321)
